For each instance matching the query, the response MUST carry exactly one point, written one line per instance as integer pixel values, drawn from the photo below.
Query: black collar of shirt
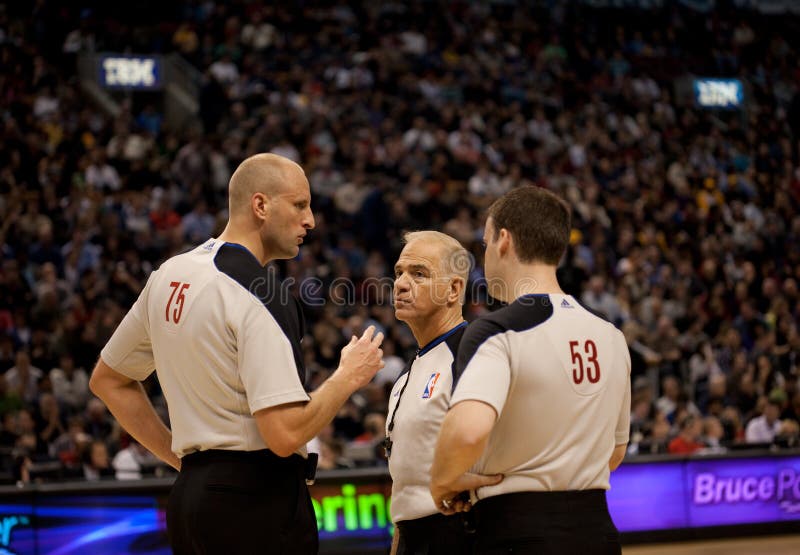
(431, 344)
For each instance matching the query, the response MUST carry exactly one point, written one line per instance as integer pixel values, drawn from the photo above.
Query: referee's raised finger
(378, 339)
(368, 333)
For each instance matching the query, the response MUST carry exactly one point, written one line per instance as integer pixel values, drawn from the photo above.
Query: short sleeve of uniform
(622, 431)
(483, 368)
(129, 350)
(266, 361)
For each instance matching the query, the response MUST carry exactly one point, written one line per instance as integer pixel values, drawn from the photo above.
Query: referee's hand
(449, 499)
(362, 358)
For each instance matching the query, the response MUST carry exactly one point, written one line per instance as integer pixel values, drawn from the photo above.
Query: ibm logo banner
(719, 93)
(130, 72)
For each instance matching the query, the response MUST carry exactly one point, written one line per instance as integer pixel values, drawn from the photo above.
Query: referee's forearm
(325, 404)
(286, 428)
(462, 438)
(452, 459)
(136, 414)
(128, 402)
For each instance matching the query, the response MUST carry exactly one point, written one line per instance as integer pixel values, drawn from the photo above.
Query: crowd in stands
(408, 116)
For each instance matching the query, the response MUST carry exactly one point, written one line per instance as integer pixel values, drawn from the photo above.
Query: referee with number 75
(543, 397)
(225, 337)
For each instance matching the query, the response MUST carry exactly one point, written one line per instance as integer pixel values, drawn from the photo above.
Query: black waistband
(305, 467)
(430, 521)
(263, 456)
(550, 501)
(433, 524)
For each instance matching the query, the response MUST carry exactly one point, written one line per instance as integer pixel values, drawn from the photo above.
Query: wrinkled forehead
(420, 253)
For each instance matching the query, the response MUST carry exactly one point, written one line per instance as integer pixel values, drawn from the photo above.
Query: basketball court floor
(766, 545)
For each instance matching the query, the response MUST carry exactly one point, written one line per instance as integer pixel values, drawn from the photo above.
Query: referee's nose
(401, 283)
(308, 219)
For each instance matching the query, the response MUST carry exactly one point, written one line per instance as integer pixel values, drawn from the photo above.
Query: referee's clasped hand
(454, 497)
(362, 357)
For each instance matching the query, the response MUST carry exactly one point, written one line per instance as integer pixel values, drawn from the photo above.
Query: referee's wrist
(341, 380)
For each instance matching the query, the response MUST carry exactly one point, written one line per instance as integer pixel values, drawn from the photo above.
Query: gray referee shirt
(559, 378)
(417, 405)
(225, 340)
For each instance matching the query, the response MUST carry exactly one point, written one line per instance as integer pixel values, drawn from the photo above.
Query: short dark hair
(538, 221)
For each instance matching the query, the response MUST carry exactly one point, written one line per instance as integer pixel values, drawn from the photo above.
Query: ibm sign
(719, 93)
(130, 72)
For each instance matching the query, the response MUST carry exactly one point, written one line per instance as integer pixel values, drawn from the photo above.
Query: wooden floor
(771, 545)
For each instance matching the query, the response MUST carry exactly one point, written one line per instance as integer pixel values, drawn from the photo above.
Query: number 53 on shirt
(584, 362)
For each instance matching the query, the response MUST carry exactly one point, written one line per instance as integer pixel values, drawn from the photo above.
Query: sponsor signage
(726, 94)
(130, 72)
(353, 517)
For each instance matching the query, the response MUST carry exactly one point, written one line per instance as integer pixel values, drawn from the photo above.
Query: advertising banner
(129, 72)
(353, 509)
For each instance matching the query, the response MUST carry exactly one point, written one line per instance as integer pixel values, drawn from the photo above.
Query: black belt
(436, 523)
(306, 466)
(550, 501)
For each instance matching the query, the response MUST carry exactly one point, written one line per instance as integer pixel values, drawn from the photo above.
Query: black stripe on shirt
(525, 313)
(242, 266)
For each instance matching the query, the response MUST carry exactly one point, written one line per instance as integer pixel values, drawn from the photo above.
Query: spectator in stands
(22, 379)
(763, 428)
(596, 298)
(259, 34)
(688, 439)
(28, 441)
(331, 455)
(70, 384)
(788, 435)
(48, 419)
(10, 401)
(70, 445)
(374, 424)
(130, 462)
(100, 174)
(713, 433)
(198, 225)
(668, 402)
(99, 423)
(9, 432)
(96, 463)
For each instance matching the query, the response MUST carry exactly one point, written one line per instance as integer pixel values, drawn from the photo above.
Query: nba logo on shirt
(430, 385)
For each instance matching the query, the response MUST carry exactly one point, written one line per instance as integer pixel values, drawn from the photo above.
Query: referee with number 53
(224, 337)
(543, 397)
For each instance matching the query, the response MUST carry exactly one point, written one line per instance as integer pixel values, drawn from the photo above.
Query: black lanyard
(387, 441)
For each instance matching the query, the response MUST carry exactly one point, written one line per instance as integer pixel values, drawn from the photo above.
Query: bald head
(262, 173)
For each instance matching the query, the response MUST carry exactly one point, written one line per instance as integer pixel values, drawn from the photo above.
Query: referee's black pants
(241, 503)
(435, 535)
(545, 523)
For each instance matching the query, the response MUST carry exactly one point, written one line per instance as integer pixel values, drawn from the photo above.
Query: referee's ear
(260, 205)
(505, 242)
(457, 290)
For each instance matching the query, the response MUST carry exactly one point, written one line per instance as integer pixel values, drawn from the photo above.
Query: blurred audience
(408, 116)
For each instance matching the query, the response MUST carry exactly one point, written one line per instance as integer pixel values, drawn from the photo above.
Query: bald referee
(225, 340)
(430, 278)
(543, 396)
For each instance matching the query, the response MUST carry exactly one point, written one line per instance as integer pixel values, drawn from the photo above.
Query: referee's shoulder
(523, 314)
(476, 334)
(484, 327)
(598, 315)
